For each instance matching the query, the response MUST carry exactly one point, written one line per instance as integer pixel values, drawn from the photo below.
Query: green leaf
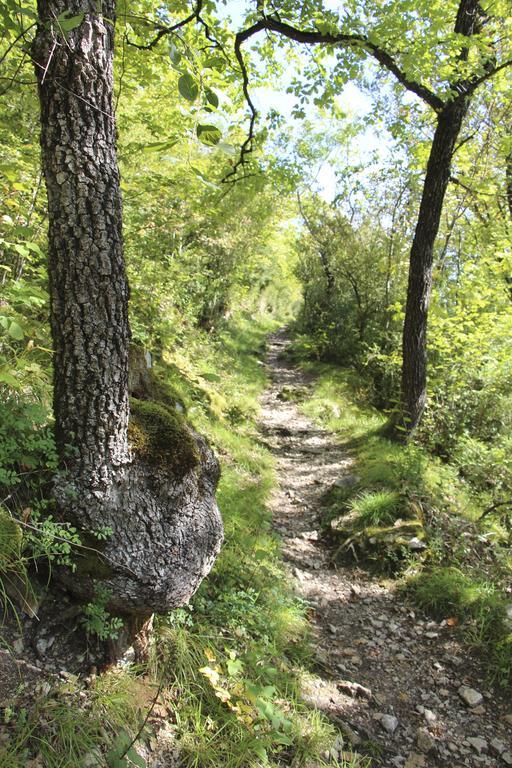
(22, 250)
(203, 178)
(208, 134)
(188, 87)
(7, 378)
(158, 146)
(211, 97)
(16, 331)
(67, 22)
(115, 758)
(135, 758)
(216, 62)
(174, 54)
(211, 376)
(228, 149)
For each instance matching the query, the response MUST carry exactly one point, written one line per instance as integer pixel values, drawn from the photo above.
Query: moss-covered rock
(160, 435)
(385, 539)
(293, 394)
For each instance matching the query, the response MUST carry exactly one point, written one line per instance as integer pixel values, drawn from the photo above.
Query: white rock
(346, 481)
(429, 716)
(416, 544)
(471, 697)
(43, 644)
(415, 761)
(93, 759)
(389, 723)
(507, 758)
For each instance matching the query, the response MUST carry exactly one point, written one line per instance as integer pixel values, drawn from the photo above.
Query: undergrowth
(229, 664)
(464, 572)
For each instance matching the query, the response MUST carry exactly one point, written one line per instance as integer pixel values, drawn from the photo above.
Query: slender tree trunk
(164, 526)
(414, 341)
(329, 277)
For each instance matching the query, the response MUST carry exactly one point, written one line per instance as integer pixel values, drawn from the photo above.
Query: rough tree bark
(165, 526)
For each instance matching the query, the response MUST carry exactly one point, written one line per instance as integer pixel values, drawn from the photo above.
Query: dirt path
(391, 678)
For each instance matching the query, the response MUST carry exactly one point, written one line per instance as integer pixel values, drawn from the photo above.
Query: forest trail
(390, 678)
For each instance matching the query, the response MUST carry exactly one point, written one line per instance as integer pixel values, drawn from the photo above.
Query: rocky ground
(400, 687)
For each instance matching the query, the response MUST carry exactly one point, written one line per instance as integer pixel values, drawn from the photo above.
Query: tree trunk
(88, 285)
(414, 341)
(164, 528)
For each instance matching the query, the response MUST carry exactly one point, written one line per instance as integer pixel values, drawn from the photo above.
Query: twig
(248, 145)
(494, 507)
(16, 41)
(148, 715)
(73, 544)
(164, 31)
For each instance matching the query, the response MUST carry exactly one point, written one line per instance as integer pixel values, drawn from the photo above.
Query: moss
(399, 533)
(160, 436)
(162, 392)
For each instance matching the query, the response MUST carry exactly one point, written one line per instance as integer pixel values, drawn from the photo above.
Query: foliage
(211, 267)
(457, 574)
(97, 620)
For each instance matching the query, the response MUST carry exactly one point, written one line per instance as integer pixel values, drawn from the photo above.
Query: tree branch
(248, 144)
(164, 31)
(314, 37)
(487, 75)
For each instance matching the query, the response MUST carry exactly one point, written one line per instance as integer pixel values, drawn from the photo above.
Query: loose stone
(478, 744)
(424, 740)
(471, 697)
(389, 723)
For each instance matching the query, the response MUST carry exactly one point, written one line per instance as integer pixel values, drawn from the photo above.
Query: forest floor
(399, 686)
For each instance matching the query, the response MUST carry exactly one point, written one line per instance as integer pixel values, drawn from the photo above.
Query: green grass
(478, 604)
(454, 577)
(376, 507)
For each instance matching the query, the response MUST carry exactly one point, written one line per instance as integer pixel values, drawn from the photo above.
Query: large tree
(157, 506)
(442, 67)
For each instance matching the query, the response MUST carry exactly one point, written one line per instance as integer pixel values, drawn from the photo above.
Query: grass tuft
(376, 507)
